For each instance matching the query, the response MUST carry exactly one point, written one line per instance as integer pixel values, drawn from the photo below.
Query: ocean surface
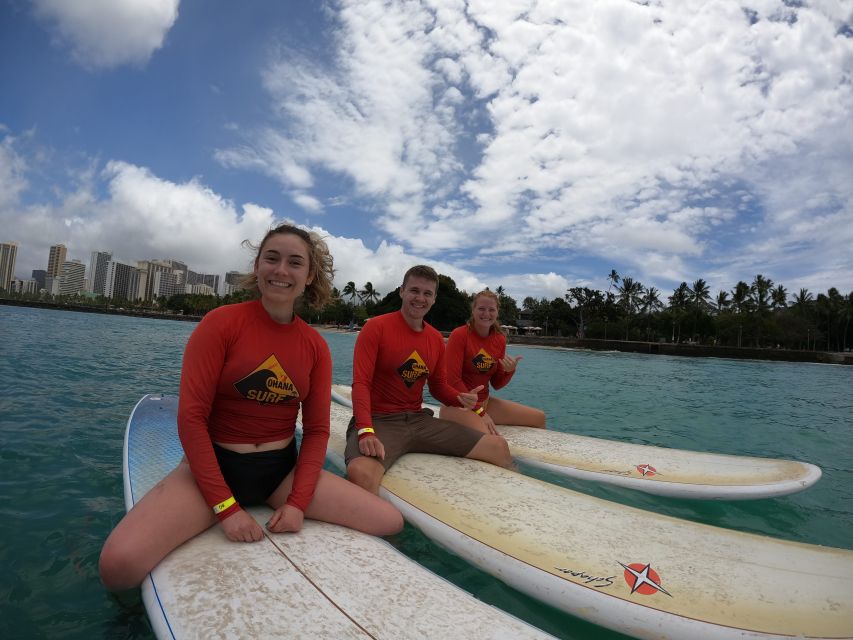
(69, 380)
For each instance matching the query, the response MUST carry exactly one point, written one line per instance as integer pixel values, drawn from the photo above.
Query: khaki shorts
(414, 432)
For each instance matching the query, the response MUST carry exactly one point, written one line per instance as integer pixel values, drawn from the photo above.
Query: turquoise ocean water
(68, 382)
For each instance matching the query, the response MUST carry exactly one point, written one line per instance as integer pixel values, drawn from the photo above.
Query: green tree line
(757, 314)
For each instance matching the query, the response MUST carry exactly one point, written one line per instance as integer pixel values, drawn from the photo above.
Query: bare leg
(492, 449)
(465, 417)
(366, 472)
(341, 502)
(167, 516)
(508, 412)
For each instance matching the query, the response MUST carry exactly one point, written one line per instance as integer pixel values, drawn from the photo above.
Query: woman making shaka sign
(476, 356)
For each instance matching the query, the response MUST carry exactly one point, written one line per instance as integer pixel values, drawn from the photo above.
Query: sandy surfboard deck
(636, 572)
(325, 582)
(668, 472)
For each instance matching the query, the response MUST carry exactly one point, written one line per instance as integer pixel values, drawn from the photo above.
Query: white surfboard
(326, 581)
(640, 573)
(668, 472)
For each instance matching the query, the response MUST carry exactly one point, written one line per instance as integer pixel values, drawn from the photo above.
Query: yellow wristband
(222, 506)
(365, 431)
(479, 410)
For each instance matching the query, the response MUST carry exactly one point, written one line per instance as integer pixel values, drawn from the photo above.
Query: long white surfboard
(668, 472)
(640, 573)
(326, 581)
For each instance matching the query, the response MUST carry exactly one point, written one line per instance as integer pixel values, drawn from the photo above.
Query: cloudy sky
(533, 145)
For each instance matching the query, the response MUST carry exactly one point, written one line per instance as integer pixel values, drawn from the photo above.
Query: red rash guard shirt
(473, 361)
(391, 363)
(243, 380)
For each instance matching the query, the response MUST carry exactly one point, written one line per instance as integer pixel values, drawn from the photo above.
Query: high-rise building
(98, 272)
(166, 284)
(8, 253)
(211, 281)
(39, 275)
(200, 289)
(72, 280)
(24, 286)
(156, 287)
(55, 259)
(234, 277)
(122, 281)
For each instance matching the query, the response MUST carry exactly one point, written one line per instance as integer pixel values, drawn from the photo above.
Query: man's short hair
(421, 271)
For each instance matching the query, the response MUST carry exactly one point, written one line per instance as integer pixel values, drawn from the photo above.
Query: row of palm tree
(365, 295)
(760, 313)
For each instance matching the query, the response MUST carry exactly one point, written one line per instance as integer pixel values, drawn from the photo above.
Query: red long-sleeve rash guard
(473, 360)
(391, 363)
(243, 379)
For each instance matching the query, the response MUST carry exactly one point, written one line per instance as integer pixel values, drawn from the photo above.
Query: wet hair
(420, 271)
(486, 293)
(320, 264)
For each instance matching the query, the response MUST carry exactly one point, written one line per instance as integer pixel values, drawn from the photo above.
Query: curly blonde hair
(321, 264)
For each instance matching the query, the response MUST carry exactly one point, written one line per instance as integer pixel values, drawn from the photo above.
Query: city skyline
(99, 277)
(534, 146)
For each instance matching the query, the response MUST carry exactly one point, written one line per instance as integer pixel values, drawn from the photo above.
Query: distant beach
(626, 346)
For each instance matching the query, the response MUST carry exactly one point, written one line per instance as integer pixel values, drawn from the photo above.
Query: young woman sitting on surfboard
(476, 357)
(247, 370)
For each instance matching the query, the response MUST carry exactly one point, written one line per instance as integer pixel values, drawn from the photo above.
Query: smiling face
(418, 295)
(283, 269)
(484, 312)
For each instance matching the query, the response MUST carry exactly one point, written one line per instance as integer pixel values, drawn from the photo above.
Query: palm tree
(369, 294)
(678, 302)
(803, 300)
(740, 298)
(723, 301)
(779, 297)
(614, 279)
(349, 290)
(803, 306)
(649, 303)
(742, 304)
(700, 300)
(629, 297)
(760, 293)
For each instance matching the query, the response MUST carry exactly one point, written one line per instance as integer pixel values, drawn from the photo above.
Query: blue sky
(531, 145)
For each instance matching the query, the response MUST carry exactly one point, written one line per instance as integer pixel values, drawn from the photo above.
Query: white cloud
(109, 33)
(13, 169)
(141, 217)
(603, 128)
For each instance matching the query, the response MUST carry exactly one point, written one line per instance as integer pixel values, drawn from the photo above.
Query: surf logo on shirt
(643, 579)
(482, 361)
(413, 369)
(268, 384)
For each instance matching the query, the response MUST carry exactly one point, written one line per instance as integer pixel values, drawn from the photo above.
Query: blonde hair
(486, 293)
(320, 264)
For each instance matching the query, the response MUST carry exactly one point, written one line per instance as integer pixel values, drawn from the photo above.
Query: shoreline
(685, 350)
(585, 344)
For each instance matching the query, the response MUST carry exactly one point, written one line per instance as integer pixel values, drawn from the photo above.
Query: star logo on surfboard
(643, 579)
(646, 470)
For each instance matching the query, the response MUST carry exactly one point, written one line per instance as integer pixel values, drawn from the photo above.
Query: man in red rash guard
(395, 355)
